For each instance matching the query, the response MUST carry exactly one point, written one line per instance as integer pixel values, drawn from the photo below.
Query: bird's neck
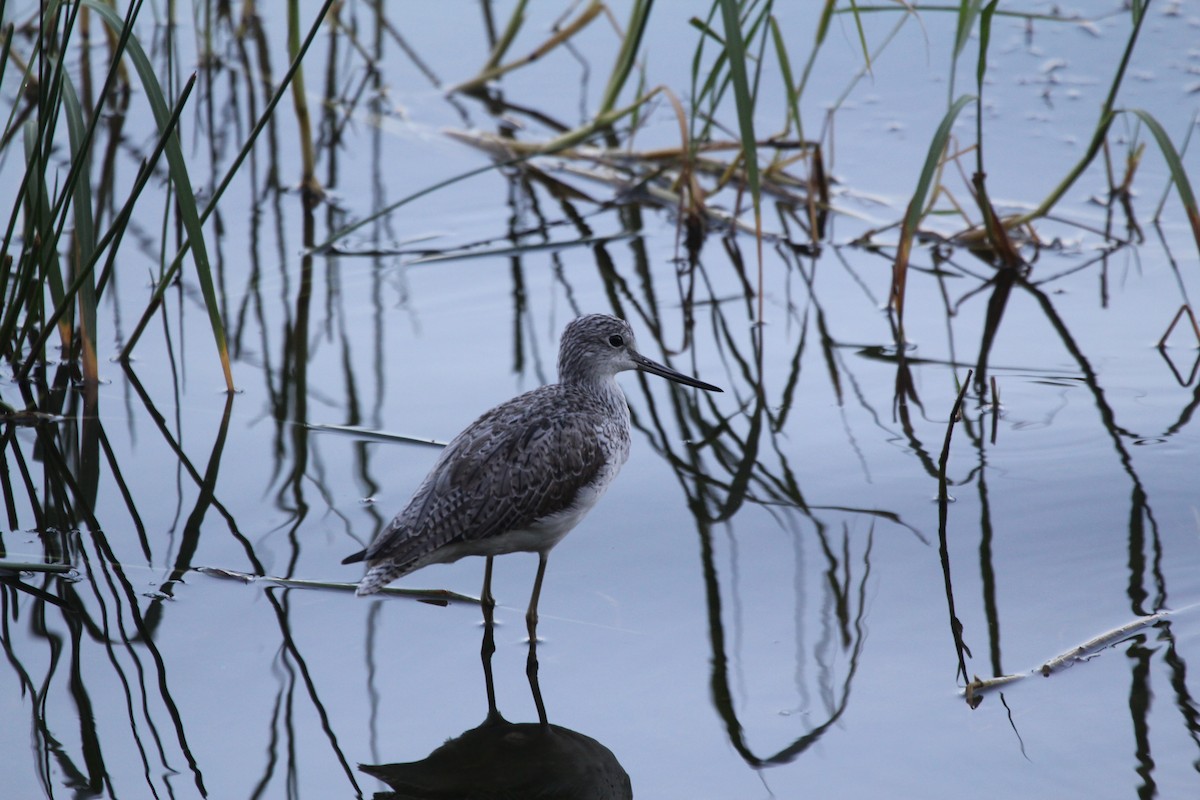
(605, 388)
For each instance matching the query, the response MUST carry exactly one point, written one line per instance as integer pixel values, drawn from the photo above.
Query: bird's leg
(488, 648)
(485, 654)
(486, 601)
(531, 672)
(531, 617)
(531, 620)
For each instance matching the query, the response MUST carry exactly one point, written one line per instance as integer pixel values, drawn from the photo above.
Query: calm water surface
(762, 605)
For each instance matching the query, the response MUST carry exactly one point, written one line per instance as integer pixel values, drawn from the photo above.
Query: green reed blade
(61, 97)
(968, 12)
(1102, 125)
(736, 48)
(177, 169)
(1183, 147)
(792, 97)
(115, 231)
(515, 21)
(634, 31)
(1175, 165)
(862, 36)
(916, 206)
(85, 230)
(818, 40)
(264, 119)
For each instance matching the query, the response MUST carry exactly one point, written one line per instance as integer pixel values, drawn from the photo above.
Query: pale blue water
(768, 592)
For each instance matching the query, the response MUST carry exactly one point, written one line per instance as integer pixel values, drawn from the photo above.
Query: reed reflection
(737, 466)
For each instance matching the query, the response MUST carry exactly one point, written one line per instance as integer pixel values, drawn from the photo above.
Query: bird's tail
(377, 577)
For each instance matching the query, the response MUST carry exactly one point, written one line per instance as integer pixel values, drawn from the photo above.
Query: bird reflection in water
(502, 759)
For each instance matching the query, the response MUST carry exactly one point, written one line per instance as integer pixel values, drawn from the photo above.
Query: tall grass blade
(115, 231)
(515, 21)
(818, 40)
(1175, 165)
(85, 232)
(177, 169)
(6, 37)
(862, 36)
(1102, 125)
(309, 186)
(1001, 244)
(39, 261)
(916, 207)
(638, 17)
(735, 47)
(792, 96)
(968, 12)
(264, 119)
(702, 90)
(1183, 147)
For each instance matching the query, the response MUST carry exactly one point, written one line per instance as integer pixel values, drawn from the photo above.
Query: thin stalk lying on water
(34, 566)
(440, 597)
(1076, 655)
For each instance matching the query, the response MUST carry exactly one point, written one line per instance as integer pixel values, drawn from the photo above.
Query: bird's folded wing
(497, 475)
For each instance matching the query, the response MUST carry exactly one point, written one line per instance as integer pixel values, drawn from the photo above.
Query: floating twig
(438, 597)
(1084, 652)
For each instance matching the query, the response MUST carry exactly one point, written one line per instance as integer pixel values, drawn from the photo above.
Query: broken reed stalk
(1076, 655)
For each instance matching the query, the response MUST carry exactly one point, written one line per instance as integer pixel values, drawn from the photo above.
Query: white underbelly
(539, 537)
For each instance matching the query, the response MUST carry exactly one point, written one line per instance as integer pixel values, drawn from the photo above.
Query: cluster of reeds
(68, 217)
(69, 214)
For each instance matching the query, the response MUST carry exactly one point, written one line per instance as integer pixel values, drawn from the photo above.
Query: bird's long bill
(654, 368)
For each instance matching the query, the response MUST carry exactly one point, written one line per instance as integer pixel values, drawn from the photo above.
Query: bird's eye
(615, 340)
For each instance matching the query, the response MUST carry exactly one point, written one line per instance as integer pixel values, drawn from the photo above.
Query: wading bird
(525, 473)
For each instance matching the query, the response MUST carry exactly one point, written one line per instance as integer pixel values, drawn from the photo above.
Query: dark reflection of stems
(1139, 511)
(854, 638)
(726, 466)
(1184, 701)
(956, 627)
(186, 464)
(295, 663)
(204, 501)
(89, 740)
(121, 593)
(987, 568)
(1001, 291)
(1140, 695)
(1147, 588)
(294, 408)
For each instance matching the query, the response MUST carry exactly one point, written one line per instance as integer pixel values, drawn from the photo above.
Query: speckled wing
(518, 463)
